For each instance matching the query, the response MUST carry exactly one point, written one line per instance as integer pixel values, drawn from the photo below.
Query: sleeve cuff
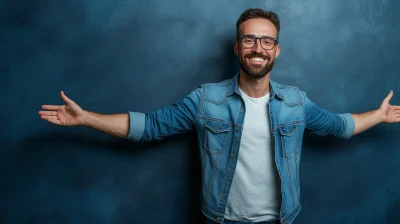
(136, 126)
(349, 124)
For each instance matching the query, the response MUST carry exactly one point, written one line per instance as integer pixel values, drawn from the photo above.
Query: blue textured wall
(115, 56)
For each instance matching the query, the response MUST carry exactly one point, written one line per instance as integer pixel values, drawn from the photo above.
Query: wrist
(379, 115)
(85, 118)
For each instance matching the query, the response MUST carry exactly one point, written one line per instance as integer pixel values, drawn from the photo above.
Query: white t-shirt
(255, 193)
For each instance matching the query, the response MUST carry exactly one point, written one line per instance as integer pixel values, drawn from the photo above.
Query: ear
(278, 50)
(236, 47)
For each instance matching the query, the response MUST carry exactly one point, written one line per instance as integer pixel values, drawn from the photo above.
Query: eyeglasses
(249, 41)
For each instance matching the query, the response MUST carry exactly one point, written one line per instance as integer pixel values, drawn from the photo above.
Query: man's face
(257, 62)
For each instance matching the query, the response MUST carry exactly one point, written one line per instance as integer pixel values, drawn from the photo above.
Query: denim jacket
(217, 111)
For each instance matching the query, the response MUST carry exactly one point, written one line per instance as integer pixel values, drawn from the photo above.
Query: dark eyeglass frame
(276, 41)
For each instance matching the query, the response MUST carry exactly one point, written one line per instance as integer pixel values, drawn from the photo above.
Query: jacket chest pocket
(289, 139)
(216, 136)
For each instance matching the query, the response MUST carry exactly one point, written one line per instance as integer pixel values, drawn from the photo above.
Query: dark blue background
(114, 56)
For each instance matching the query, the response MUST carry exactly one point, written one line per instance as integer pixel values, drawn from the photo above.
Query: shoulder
(216, 91)
(291, 94)
(222, 84)
(284, 87)
(217, 86)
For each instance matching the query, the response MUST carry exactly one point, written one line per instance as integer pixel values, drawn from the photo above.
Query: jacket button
(218, 218)
(241, 111)
(237, 129)
(229, 172)
(233, 155)
(222, 195)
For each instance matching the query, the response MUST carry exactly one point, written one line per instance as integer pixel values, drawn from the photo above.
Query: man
(250, 130)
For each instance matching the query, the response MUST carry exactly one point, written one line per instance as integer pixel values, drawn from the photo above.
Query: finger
(52, 119)
(389, 96)
(65, 98)
(53, 113)
(51, 107)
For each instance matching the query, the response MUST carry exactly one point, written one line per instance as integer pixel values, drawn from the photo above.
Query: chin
(256, 75)
(255, 72)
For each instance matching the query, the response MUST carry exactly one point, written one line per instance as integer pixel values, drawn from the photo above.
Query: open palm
(70, 114)
(390, 113)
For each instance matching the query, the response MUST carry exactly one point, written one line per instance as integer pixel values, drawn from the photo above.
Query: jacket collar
(274, 90)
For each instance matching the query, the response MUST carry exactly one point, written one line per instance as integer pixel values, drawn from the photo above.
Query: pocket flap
(217, 126)
(287, 130)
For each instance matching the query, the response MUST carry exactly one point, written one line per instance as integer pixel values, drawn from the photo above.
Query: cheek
(241, 54)
(244, 52)
(272, 53)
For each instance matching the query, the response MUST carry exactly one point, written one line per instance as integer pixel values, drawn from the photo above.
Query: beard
(256, 71)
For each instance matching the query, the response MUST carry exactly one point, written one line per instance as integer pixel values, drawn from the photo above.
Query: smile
(257, 59)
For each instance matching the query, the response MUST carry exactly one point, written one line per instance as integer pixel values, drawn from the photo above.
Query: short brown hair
(255, 14)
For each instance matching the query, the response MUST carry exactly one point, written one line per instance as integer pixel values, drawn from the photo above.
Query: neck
(255, 88)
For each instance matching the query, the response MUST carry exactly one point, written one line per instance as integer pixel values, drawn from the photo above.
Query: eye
(268, 41)
(248, 40)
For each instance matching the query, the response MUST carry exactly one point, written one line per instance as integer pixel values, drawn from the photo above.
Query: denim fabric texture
(217, 111)
(237, 222)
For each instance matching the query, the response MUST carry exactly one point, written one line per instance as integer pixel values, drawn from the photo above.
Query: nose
(257, 47)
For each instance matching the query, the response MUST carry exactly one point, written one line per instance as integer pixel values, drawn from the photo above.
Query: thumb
(389, 96)
(65, 98)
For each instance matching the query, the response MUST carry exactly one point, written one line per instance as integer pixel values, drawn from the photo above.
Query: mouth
(257, 60)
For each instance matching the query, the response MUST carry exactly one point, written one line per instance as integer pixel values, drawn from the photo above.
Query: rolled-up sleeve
(349, 123)
(323, 122)
(136, 126)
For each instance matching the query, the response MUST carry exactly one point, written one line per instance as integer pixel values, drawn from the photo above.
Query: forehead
(258, 27)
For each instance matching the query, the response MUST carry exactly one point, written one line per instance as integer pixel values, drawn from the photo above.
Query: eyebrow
(250, 35)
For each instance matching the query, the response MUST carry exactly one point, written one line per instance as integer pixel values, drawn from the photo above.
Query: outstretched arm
(172, 120)
(71, 114)
(385, 114)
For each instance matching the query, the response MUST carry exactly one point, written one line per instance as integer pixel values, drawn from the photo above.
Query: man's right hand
(70, 114)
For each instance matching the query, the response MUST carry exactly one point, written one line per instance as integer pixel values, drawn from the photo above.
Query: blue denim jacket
(217, 111)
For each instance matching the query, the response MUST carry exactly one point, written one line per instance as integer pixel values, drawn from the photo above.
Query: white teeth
(257, 59)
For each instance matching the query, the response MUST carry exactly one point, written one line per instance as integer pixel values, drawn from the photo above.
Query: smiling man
(250, 130)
